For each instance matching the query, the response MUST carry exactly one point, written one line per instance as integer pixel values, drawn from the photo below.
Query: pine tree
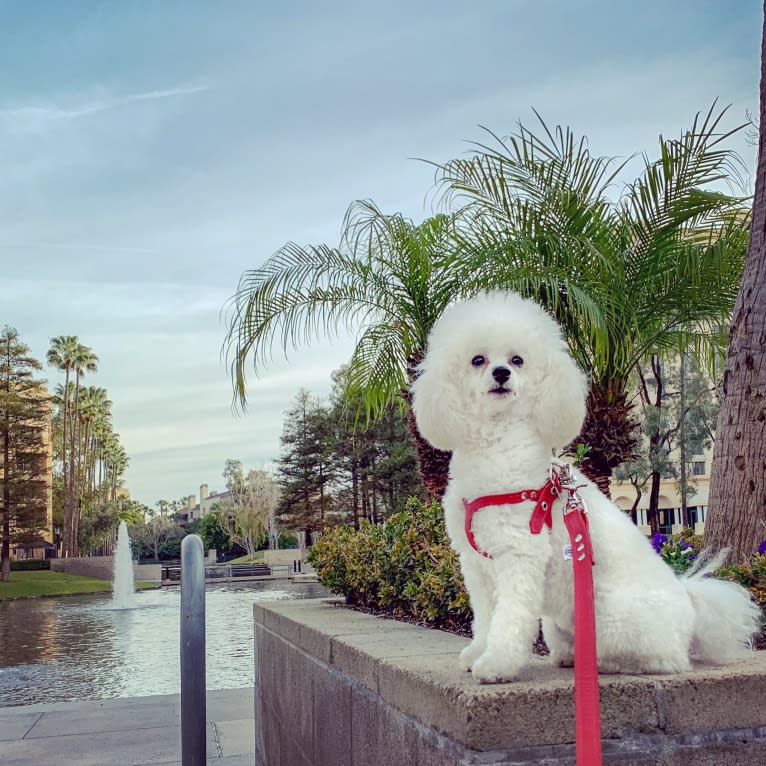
(374, 463)
(304, 466)
(24, 411)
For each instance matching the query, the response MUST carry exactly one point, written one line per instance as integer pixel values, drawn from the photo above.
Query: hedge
(404, 567)
(29, 565)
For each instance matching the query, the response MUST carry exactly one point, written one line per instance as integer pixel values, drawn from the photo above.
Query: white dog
(499, 389)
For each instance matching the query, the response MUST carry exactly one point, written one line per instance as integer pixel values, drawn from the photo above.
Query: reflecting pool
(80, 647)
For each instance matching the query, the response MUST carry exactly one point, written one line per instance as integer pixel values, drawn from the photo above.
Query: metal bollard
(193, 686)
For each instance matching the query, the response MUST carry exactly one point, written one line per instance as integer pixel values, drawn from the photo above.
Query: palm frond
(377, 371)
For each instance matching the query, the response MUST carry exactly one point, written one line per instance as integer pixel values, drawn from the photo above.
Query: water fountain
(122, 573)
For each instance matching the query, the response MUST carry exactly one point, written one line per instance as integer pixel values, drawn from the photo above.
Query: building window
(696, 447)
(698, 468)
(666, 519)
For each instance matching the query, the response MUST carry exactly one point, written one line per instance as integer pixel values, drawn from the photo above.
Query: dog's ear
(436, 407)
(560, 399)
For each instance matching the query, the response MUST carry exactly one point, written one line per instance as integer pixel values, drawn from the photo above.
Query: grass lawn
(46, 583)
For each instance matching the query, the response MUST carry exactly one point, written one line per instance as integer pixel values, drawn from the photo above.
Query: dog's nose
(501, 374)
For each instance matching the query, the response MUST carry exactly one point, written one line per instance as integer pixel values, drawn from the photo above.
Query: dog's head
(494, 360)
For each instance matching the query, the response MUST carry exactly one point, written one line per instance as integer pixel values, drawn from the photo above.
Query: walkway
(134, 731)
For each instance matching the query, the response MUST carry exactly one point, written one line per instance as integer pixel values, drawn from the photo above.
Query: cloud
(37, 119)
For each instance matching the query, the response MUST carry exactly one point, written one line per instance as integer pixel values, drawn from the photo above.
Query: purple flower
(762, 547)
(658, 540)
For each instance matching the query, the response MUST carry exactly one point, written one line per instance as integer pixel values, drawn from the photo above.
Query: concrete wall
(147, 572)
(334, 687)
(101, 567)
(283, 556)
(86, 566)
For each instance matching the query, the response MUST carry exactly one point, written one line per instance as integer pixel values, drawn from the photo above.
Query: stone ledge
(413, 671)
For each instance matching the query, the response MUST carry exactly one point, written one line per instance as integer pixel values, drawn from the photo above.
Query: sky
(150, 153)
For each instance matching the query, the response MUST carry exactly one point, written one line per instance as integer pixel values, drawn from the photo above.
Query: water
(80, 647)
(123, 587)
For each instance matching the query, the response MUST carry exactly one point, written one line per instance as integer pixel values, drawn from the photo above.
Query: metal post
(193, 703)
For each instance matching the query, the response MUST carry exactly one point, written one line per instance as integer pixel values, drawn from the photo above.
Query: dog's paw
(489, 669)
(470, 654)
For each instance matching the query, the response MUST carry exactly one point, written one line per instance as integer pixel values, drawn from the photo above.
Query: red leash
(587, 705)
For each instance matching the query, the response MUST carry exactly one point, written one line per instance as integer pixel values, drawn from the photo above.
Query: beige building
(194, 510)
(669, 513)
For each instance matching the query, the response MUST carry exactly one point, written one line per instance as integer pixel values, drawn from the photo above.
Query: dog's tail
(725, 615)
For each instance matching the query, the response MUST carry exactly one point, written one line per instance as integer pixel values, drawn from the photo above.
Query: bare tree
(154, 533)
(250, 502)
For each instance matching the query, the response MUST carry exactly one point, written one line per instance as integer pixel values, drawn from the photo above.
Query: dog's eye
(517, 361)
(478, 360)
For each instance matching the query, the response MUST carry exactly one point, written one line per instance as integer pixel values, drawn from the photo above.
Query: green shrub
(29, 565)
(404, 567)
(287, 540)
(751, 574)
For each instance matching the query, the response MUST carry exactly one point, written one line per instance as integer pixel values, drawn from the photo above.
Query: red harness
(587, 708)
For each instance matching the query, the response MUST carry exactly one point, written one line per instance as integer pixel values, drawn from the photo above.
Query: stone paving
(134, 731)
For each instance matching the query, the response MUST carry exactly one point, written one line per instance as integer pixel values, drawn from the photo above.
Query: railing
(172, 573)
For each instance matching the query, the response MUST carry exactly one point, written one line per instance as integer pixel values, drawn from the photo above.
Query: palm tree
(83, 360)
(737, 518)
(68, 354)
(653, 271)
(61, 355)
(94, 416)
(388, 280)
(116, 463)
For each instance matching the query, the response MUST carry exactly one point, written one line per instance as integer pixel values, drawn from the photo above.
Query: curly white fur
(499, 389)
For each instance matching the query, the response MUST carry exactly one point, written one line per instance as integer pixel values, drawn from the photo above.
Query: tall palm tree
(655, 270)
(84, 360)
(388, 280)
(61, 354)
(93, 412)
(95, 408)
(116, 463)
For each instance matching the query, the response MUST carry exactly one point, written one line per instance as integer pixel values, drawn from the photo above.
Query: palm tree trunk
(608, 431)
(433, 464)
(65, 538)
(74, 490)
(737, 501)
